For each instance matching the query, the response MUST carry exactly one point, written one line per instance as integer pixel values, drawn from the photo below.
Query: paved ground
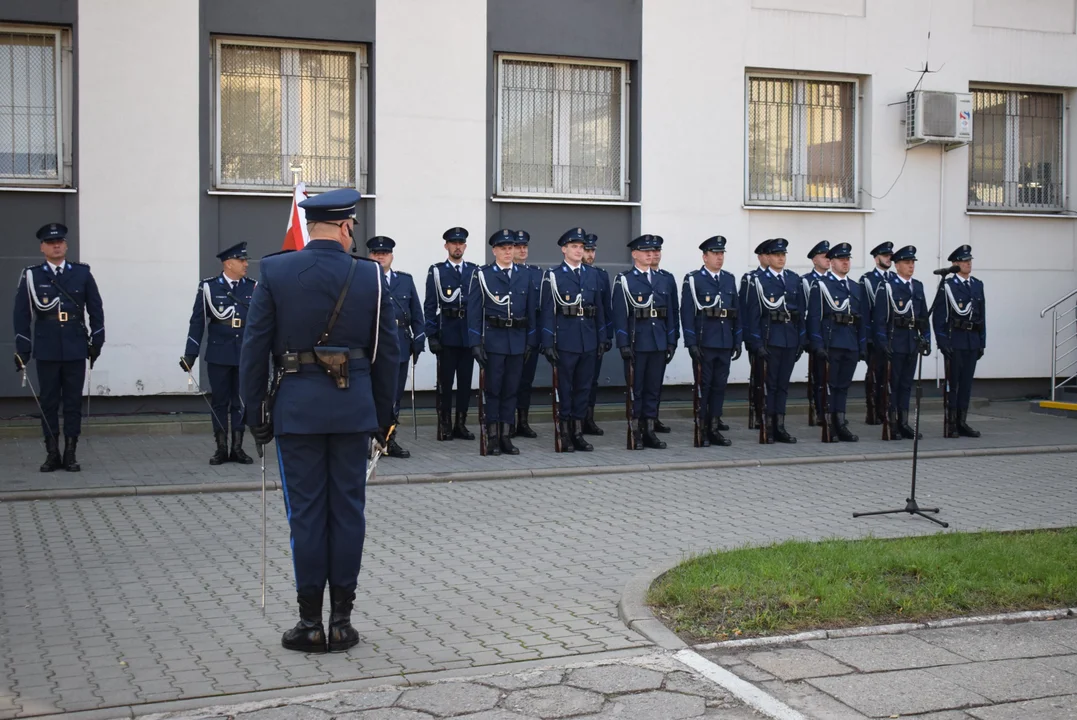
(989, 672)
(117, 601)
(148, 460)
(650, 687)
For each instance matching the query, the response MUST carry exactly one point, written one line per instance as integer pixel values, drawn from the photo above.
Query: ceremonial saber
(262, 454)
(414, 417)
(379, 450)
(27, 381)
(190, 381)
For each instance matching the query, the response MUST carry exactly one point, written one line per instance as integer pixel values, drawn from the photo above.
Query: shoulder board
(81, 264)
(402, 273)
(371, 260)
(31, 267)
(279, 252)
(211, 278)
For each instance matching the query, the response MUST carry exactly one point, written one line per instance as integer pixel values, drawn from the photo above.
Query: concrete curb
(634, 612)
(525, 473)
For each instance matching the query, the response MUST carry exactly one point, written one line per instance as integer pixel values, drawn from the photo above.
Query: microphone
(946, 271)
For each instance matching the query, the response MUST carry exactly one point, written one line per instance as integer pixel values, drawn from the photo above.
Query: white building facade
(163, 132)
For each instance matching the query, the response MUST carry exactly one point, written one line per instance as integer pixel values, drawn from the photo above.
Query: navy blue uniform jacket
(963, 296)
(289, 311)
(653, 334)
(758, 324)
(38, 299)
(575, 333)
(823, 331)
(409, 313)
(223, 305)
(892, 301)
(449, 331)
(710, 332)
(524, 306)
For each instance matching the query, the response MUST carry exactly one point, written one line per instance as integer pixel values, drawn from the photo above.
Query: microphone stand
(911, 506)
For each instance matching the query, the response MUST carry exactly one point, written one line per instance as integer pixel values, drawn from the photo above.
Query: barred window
(561, 128)
(1015, 158)
(802, 142)
(290, 112)
(33, 87)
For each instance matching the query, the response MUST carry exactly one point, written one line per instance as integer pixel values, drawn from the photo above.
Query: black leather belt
(845, 318)
(454, 312)
(500, 322)
(235, 322)
(730, 313)
(646, 313)
(967, 325)
(306, 357)
(578, 311)
(53, 317)
(784, 316)
(908, 323)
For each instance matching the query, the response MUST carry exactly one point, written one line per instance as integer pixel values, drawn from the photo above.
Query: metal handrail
(1058, 302)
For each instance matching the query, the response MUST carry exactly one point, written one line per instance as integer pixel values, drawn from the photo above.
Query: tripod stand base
(911, 508)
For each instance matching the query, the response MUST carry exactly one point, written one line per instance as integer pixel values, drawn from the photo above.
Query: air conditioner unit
(938, 117)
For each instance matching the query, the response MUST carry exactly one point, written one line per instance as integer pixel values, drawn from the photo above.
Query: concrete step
(1055, 407)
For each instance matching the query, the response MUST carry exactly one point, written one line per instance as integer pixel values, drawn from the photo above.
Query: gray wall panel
(24, 213)
(336, 20)
(611, 29)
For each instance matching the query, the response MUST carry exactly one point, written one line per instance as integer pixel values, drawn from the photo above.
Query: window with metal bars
(1015, 158)
(802, 141)
(289, 112)
(561, 128)
(34, 86)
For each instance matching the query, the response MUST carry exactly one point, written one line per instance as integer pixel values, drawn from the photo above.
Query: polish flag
(296, 237)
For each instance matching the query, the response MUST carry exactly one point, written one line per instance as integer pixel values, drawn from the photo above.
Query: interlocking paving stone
(608, 679)
(556, 701)
(536, 678)
(658, 704)
(883, 652)
(450, 698)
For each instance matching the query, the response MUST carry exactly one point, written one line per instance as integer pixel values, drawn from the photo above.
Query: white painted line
(744, 691)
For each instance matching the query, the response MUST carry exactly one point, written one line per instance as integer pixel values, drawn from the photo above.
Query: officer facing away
(445, 308)
(57, 297)
(409, 323)
(222, 302)
(337, 382)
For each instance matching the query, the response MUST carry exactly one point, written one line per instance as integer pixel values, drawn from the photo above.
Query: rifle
(556, 404)
(887, 434)
(411, 344)
(947, 423)
(870, 390)
(697, 400)
(824, 410)
(761, 401)
(482, 410)
(811, 389)
(437, 395)
(630, 379)
(751, 394)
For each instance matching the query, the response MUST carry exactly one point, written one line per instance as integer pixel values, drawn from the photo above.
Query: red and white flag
(296, 237)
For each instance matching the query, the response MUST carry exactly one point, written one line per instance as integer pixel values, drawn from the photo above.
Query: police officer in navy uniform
(837, 334)
(820, 265)
(502, 319)
(872, 281)
(411, 337)
(669, 288)
(590, 250)
(710, 315)
(221, 302)
(522, 426)
(646, 335)
(573, 334)
(774, 321)
(960, 320)
(902, 330)
(57, 297)
(747, 281)
(445, 309)
(322, 421)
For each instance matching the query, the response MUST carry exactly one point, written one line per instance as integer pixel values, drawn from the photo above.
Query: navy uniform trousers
(650, 368)
(61, 381)
(713, 378)
(962, 371)
(502, 385)
(902, 375)
(527, 380)
(224, 396)
(575, 374)
(843, 364)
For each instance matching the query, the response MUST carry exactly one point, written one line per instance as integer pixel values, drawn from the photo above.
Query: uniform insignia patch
(961, 305)
(566, 296)
(497, 297)
(901, 303)
(772, 298)
(45, 299)
(707, 299)
(639, 299)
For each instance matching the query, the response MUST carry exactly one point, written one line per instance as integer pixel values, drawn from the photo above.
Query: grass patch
(794, 586)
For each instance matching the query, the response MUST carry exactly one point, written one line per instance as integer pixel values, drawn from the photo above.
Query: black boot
(459, 430)
(71, 464)
(952, 417)
(637, 435)
(445, 426)
(395, 451)
(52, 455)
(221, 456)
(715, 436)
(780, 435)
(309, 634)
(341, 633)
(832, 423)
(843, 433)
(659, 427)
(704, 432)
(567, 445)
(589, 427)
(651, 440)
(895, 426)
(493, 443)
(237, 455)
(577, 437)
(523, 428)
(906, 430)
(963, 428)
(506, 442)
(720, 425)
